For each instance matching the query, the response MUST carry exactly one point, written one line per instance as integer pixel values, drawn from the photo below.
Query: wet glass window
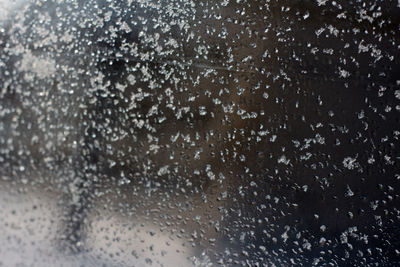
(199, 133)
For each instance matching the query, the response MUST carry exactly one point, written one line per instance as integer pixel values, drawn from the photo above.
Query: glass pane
(199, 133)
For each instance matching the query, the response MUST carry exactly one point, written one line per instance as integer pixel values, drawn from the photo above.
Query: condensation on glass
(199, 133)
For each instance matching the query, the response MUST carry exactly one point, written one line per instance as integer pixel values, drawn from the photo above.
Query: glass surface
(199, 133)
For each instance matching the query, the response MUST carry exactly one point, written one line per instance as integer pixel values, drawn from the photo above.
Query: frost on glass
(199, 133)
